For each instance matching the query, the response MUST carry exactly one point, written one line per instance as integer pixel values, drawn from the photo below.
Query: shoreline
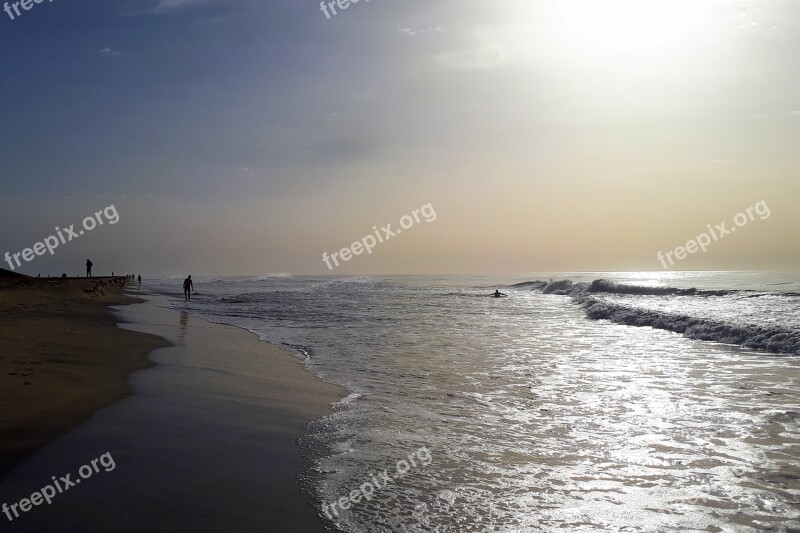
(328, 394)
(214, 410)
(56, 342)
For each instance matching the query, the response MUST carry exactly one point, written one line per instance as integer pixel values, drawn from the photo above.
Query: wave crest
(772, 339)
(776, 340)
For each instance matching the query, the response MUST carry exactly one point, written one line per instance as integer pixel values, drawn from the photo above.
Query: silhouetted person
(89, 265)
(188, 287)
(498, 294)
(140, 280)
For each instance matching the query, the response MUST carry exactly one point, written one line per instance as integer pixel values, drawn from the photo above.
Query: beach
(62, 358)
(447, 267)
(208, 440)
(539, 416)
(531, 412)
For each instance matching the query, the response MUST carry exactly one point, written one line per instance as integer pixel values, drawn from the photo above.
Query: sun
(632, 26)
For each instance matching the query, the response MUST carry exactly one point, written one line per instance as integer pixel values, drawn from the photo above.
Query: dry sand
(207, 442)
(61, 358)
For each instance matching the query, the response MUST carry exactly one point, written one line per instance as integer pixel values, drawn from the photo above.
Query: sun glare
(630, 27)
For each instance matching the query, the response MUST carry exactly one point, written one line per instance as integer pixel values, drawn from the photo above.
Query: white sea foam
(538, 417)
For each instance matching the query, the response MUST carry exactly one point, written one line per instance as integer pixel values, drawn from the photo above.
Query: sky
(252, 136)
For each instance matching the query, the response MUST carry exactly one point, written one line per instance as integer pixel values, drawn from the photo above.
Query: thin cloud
(110, 52)
(480, 58)
(165, 6)
(411, 32)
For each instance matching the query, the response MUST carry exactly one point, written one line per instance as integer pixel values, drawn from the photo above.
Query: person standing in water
(140, 280)
(188, 288)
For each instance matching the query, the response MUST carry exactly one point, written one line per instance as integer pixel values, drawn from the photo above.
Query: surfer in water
(498, 294)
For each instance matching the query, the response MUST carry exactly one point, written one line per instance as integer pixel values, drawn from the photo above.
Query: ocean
(641, 402)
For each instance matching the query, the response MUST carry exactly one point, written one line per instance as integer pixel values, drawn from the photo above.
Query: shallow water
(537, 417)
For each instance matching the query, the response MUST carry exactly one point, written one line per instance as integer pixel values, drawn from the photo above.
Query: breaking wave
(775, 339)
(567, 287)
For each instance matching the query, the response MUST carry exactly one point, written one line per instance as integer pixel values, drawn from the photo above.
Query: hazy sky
(251, 136)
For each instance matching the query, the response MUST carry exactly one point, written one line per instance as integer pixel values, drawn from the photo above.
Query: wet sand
(61, 358)
(208, 441)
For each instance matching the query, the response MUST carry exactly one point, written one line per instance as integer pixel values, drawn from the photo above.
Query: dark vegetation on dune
(8, 274)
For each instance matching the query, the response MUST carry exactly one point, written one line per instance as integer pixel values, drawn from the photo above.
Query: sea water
(581, 402)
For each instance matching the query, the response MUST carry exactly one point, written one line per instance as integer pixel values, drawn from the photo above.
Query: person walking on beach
(89, 265)
(188, 287)
(140, 280)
